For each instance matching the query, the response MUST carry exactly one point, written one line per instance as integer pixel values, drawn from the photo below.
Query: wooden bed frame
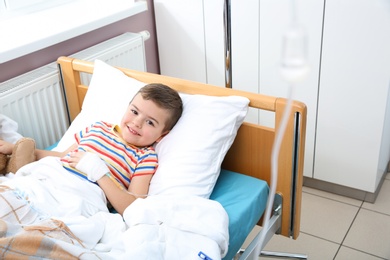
(250, 154)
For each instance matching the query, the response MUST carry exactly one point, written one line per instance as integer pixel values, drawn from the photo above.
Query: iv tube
(294, 69)
(274, 172)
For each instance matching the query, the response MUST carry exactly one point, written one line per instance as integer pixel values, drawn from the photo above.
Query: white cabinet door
(180, 36)
(214, 42)
(352, 146)
(245, 48)
(275, 20)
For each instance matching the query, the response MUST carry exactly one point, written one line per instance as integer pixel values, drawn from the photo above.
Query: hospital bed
(241, 184)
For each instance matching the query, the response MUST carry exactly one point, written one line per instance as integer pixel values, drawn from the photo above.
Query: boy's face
(143, 122)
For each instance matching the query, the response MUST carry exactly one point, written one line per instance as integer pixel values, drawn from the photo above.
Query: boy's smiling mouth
(131, 130)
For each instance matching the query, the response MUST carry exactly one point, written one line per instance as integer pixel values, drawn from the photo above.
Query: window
(28, 27)
(10, 8)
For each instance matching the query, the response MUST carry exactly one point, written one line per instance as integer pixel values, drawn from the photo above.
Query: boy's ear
(162, 136)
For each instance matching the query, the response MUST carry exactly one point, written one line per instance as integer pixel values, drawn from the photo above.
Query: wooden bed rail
(250, 153)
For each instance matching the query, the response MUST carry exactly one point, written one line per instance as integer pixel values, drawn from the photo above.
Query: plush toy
(3, 162)
(23, 151)
(22, 154)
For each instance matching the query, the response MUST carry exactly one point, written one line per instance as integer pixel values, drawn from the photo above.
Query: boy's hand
(6, 147)
(91, 164)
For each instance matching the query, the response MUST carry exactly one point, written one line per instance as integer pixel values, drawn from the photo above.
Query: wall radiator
(35, 100)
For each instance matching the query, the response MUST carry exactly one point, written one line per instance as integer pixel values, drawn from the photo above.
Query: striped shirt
(124, 160)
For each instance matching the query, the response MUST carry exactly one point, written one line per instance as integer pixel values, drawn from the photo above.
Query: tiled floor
(339, 228)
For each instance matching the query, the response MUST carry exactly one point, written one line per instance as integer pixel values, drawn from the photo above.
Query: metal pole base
(282, 255)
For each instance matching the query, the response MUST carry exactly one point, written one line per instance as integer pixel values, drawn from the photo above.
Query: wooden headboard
(250, 153)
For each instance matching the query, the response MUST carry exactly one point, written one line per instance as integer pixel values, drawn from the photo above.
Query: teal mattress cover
(244, 198)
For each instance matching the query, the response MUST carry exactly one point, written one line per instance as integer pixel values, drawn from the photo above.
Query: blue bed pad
(244, 198)
(51, 147)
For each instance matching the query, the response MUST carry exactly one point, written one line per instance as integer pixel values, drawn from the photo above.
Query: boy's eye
(135, 112)
(149, 122)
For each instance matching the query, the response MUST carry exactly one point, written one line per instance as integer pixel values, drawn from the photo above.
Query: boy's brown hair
(165, 98)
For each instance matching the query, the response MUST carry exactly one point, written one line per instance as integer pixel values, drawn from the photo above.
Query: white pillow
(190, 156)
(108, 96)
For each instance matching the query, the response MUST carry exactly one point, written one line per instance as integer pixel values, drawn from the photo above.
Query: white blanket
(53, 192)
(158, 227)
(169, 227)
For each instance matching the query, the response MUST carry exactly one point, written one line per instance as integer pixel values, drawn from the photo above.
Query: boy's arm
(96, 170)
(7, 148)
(121, 199)
(44, 153)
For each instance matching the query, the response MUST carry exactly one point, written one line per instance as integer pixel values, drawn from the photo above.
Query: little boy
(121, 159)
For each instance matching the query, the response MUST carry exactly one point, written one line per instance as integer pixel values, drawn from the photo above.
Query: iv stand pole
(228, 43)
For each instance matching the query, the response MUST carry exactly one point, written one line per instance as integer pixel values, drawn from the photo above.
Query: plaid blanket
(25, 234)
(35, 241)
